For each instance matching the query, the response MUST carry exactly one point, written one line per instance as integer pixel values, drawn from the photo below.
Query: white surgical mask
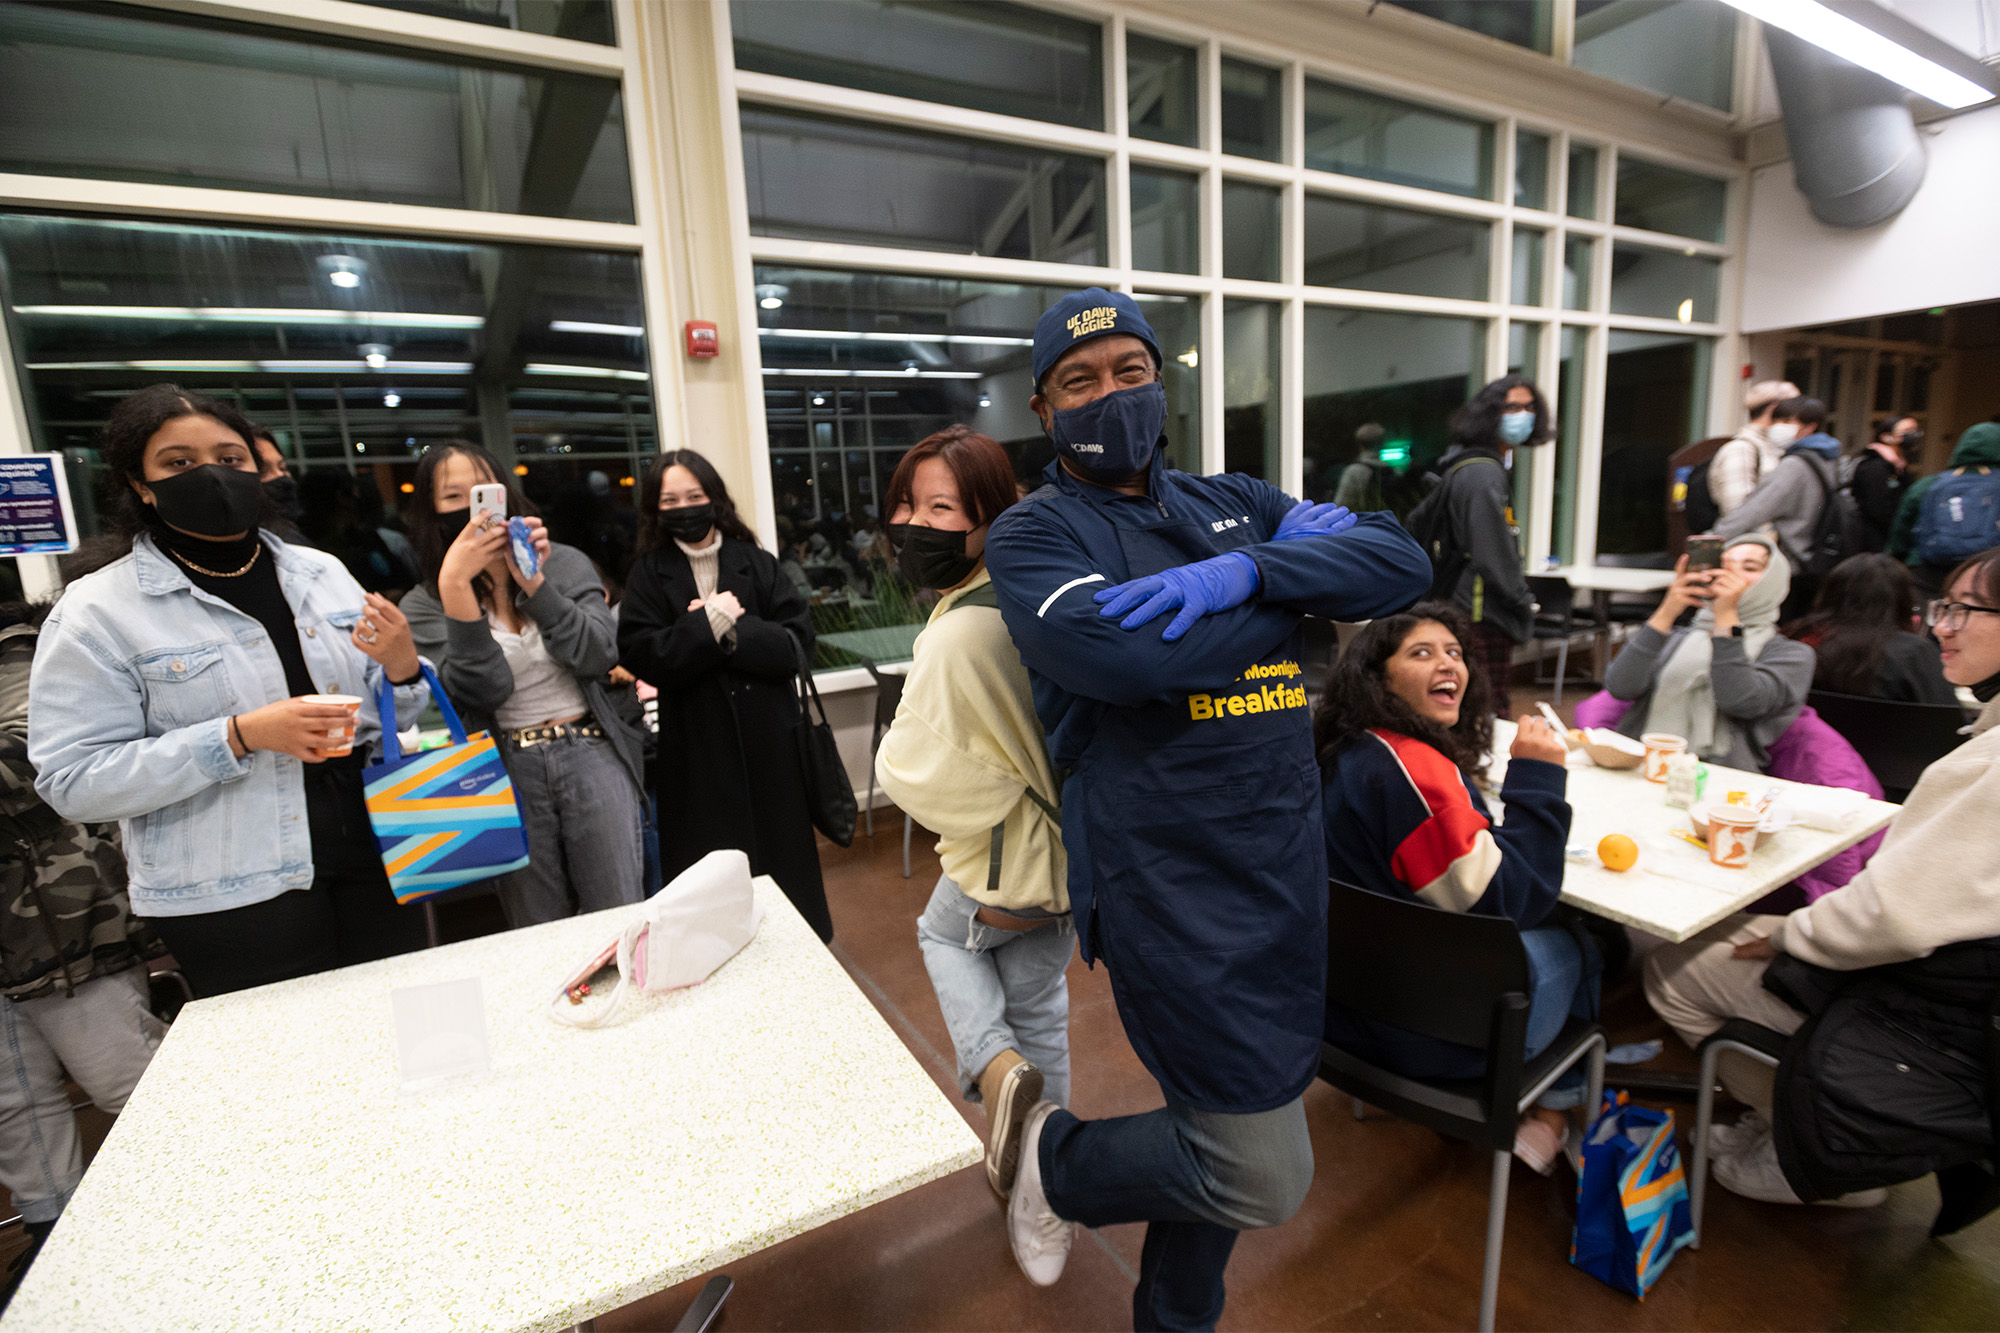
(1784, 432)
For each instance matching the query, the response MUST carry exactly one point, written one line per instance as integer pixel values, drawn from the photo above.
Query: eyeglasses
(1951, 616)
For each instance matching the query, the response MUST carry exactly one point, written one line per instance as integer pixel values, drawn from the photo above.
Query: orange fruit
(1617, 851)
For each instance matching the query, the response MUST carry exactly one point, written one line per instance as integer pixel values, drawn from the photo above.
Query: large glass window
(1579, 262)
(1526, 273)
(1531, 169)
(1379, 249)
(577, 20)
(1522, 22)
(1665, 284)
(1582, 191)
(1252, 342)
(356, 351)
(1253, 110)
(1160, 90)
(1366, 134)
(1666, 199)
(1250, 231)
(1683, 48)
(1166, 221)
(1176, 322)
(1655, 399)
(118, 93)
(1003, 58)
(1374, 375)
(837, 180)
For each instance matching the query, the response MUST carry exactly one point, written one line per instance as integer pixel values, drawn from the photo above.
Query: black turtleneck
(255, 592)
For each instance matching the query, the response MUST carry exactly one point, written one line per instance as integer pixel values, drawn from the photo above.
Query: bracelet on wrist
(237, 731)
(414, 678)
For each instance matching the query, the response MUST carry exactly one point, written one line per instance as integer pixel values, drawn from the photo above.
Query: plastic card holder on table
(440, 1032)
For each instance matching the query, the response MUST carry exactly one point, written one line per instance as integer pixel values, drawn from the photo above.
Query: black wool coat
(729, 772)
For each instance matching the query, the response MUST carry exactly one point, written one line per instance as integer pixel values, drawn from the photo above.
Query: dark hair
(1862, 603)
(651, 536)
(1357, 697)
(979, 466)
(1805, 411)
(1887, 425)
(136, 420)
(426, 535)
(1985, 571)
(1477, 421)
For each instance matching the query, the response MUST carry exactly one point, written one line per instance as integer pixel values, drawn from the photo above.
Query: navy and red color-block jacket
(1401, 820)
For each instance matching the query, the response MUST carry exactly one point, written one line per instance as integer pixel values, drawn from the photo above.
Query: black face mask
(284, 493)
(689, 523)
(451, 522)
(1912, 442)
(209, 501)
(931, 557)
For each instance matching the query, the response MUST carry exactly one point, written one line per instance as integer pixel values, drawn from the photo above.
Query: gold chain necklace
(216, 573)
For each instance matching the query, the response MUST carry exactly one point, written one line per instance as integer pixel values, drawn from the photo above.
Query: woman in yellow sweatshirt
(966, 758)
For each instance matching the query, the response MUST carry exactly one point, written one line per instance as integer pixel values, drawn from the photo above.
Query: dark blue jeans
(1195, 1178)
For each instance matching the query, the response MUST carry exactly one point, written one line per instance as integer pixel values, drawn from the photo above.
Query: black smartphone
(1704, 553)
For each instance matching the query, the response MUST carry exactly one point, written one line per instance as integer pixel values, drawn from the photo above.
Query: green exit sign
(1396, 453)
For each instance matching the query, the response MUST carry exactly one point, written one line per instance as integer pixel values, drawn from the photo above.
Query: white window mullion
(1590, 445)
(1542, 480)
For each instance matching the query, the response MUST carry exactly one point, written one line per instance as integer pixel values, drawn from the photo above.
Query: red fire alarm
(703, 340)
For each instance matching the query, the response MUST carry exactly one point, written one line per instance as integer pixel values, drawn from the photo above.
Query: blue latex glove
(1197, 589)
(1307, 519)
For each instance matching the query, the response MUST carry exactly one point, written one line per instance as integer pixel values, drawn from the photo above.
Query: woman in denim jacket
(167, 694)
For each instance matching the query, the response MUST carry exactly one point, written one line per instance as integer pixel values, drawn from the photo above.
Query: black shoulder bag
(829, 795)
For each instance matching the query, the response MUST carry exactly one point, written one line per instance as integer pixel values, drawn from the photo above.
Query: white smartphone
(488, 499)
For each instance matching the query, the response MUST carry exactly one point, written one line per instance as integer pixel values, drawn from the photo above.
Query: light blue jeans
(999, 989)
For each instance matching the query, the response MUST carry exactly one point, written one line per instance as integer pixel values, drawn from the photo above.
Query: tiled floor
(1389, 1237)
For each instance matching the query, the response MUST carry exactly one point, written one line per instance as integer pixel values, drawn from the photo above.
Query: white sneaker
(1728, 1140)
(1754, 1173)
(1040, 1238)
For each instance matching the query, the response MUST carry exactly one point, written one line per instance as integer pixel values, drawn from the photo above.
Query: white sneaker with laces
(1040, 1239)
(1728, 1140)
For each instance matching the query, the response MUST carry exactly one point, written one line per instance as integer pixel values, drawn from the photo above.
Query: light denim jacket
(136, 675)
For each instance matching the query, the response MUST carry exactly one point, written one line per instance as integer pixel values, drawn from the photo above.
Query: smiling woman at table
(1403, 734)
(1897, 967)
(711, 622)
(1729, 682)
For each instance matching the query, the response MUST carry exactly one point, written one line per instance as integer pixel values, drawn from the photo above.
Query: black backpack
(1696, 502)
(1430, 524)
(1840, 531)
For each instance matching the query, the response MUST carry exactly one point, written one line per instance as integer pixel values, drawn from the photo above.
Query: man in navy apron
(1190, 806)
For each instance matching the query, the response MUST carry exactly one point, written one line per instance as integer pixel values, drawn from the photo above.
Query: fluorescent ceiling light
(280, 367)
(254, 315)
(877, 374)
(593, 372)
(585, 326)
(1859, 45)
(845, 335)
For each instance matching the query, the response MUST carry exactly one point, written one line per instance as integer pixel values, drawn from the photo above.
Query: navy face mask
(1115, 436)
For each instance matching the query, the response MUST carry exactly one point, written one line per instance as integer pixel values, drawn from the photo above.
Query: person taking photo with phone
(176, 690)
(528, 656)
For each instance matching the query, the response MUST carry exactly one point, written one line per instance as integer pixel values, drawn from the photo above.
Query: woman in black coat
(711, 622)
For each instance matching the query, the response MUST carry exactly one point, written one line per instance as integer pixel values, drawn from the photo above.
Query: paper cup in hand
(1732, 835)
(1660, 747)
(339, 734)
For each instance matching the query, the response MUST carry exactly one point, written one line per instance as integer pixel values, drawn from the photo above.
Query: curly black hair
(1357, 698)
(1476, 423)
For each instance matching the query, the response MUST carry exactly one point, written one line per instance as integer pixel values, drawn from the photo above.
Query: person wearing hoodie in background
(1739, 465)
(1879, 474)
(1479, 497)
(966, 757)
(1788, 501)
(1895, 970)
(1977, 453)
(72, 968)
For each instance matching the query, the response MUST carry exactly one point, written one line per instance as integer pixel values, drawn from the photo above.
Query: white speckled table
(268, 1175)
(1675, 891)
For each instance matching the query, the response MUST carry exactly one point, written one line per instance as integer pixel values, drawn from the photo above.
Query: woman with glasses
(1895, 970)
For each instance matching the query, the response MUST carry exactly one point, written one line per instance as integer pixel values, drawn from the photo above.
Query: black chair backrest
(1438, 973)
(1554, 594)
(1897, 740)
(888, 694)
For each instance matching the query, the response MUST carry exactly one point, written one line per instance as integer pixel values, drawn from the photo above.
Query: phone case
(526, 558)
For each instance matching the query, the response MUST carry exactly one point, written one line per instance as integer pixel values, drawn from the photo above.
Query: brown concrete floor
(1389, 1236)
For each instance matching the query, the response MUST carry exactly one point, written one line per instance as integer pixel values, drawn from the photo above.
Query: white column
(39, 575)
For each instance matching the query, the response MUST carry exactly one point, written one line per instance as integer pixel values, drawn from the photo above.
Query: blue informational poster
(36, 517)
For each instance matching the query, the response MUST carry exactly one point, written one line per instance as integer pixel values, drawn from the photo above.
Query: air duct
(1856, 153)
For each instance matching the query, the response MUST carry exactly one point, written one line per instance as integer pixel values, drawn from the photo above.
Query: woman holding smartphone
(173, 690)
(711, 621)
(529, 657)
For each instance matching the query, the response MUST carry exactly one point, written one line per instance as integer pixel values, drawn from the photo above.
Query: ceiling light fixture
(1863, 46)
(343, 271)
(771, 295)
(821, 373)
(585, 326)
(849, 335)
(392, 399)
(252, 315)
(376, 355)
(984, 401)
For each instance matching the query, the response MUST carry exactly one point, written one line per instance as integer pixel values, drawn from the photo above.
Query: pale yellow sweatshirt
(962, 752)
(1936, 879)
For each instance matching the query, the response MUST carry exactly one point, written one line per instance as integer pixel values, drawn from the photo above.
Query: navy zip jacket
(1191, 802)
